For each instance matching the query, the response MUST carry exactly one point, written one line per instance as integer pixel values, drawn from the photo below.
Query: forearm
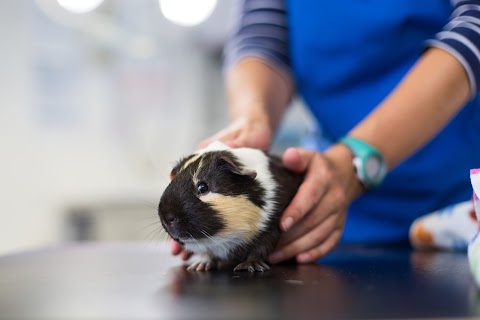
(257, 91)
(429, 96)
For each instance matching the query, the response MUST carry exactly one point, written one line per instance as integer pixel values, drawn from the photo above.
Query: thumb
(297, 159)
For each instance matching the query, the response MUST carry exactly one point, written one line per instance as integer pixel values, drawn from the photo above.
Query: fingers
(224, 136)
(307, 223)
(177, 249)
(186, 255)
(332, 203)
(243, 133)
(310, 192)
(321, 250)
(317, 238)
(314, 220)
(297, 160)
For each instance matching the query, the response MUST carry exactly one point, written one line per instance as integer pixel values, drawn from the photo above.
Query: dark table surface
(142, 281)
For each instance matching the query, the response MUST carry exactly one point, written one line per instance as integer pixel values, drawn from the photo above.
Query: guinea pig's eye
(202, 187)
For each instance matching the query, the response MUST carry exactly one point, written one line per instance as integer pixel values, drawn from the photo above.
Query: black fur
(265, 242)
(181, 213)
(228, 180)
(184, 215)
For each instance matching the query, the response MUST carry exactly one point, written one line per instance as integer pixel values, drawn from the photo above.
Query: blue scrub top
(347, 56)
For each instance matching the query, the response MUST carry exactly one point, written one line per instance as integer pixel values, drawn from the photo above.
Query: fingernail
(276, 257)
(287, 223)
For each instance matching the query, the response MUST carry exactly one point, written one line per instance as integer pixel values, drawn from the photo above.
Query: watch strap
(361, 150)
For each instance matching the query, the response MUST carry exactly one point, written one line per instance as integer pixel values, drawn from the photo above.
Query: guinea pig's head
(212, 196)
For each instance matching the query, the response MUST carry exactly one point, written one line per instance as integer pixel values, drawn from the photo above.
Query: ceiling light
(79, 6)
(187, 12)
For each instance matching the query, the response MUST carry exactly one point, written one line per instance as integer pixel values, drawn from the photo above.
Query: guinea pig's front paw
(203, 264)
(252, 266)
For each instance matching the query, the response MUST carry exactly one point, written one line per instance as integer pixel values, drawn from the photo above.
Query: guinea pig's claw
(252, 266)
(200, 266)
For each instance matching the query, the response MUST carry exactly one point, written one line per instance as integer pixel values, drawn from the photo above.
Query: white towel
(450, 228)
(474, 247)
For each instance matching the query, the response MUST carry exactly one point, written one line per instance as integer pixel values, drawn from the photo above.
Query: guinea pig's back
(287, 183)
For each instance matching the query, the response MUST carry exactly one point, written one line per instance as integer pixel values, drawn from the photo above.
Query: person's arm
(433, 92)
(430, 95)
(257, 72)
(423, 103)
(258, 82)
(258, 96)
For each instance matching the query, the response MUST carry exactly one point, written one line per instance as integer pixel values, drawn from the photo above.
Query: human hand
(313, 223)
(177, 249)
(244, 133)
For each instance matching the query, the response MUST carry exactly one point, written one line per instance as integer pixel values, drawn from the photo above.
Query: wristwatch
(370, 166)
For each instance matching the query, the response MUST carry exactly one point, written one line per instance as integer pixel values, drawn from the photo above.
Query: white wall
(94, 110)
(85, 122)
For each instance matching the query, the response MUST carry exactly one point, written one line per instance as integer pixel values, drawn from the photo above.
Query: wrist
(258, 94)
(370, 165)
(341, 158)
(252, 114)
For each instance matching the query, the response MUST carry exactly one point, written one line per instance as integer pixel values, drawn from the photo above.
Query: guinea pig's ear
(233, 167)
(174, 172)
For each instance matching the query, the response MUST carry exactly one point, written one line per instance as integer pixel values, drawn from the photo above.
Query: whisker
(151, 235)
(221, 245)
(153, 217)
(149, 225)
(148, 204)
(196, 241)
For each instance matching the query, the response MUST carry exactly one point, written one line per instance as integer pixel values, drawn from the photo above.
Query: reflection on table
(144, 281)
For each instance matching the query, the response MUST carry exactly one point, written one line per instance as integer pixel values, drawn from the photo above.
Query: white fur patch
(257, 160)
(219, 247)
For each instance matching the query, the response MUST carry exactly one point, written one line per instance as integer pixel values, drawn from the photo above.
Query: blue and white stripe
(461, 38)
(261, 31)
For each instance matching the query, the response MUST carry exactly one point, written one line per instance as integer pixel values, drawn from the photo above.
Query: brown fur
(238, 213)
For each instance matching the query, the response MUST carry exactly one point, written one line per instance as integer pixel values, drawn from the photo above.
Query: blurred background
(98, 98)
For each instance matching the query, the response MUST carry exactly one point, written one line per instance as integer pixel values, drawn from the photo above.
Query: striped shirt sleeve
(461, 38)
(260, 31)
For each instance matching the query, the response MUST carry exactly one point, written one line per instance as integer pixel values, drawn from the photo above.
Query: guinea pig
(225, 204)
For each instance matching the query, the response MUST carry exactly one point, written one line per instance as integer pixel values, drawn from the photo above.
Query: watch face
(373, 167)
(370, 166)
